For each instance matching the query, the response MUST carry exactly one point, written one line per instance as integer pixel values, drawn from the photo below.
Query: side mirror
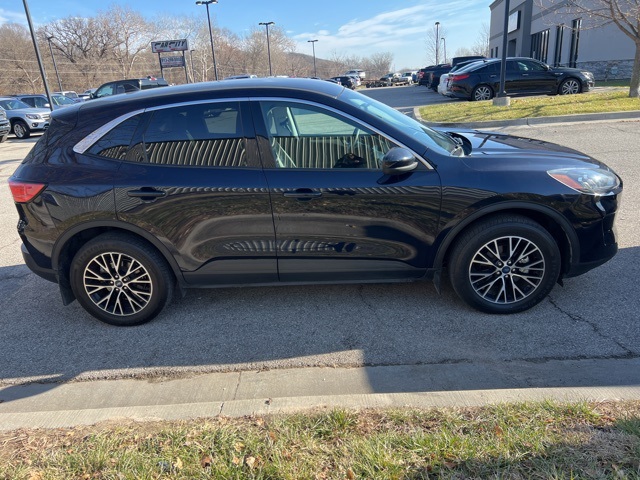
(398, 161)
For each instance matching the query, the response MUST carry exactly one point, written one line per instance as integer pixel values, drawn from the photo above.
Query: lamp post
(193, 70)
(55, 67)
(444, 48)
(437, 42)
(213, 52)
(266, 24)
(35, 47)
(313, 46)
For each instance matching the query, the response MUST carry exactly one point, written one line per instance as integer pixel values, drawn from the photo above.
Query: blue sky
(352, 27)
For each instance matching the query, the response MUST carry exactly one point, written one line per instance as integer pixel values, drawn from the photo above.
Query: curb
(531, 121)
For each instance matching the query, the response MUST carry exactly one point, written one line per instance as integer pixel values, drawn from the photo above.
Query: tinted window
(305, 136)
(489, 68)
(528, 66)
(105, 90)
(207, 135)
(115, 143)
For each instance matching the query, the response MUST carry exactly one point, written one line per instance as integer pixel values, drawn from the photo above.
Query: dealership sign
(170, 46)
(170, 62)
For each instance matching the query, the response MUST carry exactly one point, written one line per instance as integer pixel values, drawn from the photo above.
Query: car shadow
(593, 317)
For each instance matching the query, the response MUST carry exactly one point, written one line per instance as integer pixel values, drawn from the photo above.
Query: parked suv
(24, 118)
(128, 86)
(5, 125)
(128, 199)
(41, 101)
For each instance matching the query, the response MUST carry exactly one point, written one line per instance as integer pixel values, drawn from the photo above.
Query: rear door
(191, 177)
(337, 216)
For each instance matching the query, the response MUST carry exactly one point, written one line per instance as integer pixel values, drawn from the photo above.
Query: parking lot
(592, 317)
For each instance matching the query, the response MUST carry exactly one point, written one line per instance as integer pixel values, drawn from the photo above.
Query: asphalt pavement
(278, 349)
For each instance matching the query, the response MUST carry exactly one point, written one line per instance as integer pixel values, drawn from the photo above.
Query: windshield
(62, 100)
(13, 104)
(430, 138)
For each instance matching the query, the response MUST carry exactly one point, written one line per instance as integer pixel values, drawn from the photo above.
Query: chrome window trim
(87, 142)
(350, 117)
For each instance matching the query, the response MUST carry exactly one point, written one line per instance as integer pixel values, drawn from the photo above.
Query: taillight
(456, 78)
(24, 192)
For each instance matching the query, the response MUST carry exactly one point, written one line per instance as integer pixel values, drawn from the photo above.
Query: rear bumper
(46, 273)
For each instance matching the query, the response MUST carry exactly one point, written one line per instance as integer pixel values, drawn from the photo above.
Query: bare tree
(624, 14)
(481, 45)
(20, 71)
(434, 38)
(130, 33)
(378, 64)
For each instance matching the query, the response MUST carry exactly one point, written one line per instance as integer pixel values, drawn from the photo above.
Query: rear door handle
(302, 194)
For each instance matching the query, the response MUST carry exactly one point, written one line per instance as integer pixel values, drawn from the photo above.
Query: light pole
(266, 24)
(444, 48)
(55, 67)
(437, 42)
(313, 46)
(213, 52)
(35, 47)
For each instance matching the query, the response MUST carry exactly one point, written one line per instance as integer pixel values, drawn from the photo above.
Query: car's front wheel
(570, 86)
(505, 264)
(21, 129)
(121, 280)
(482, 92)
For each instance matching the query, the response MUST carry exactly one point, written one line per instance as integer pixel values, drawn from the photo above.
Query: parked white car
(443, 86)
(356, 73)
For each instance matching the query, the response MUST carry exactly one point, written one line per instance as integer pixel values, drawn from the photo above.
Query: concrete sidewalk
(283, 391)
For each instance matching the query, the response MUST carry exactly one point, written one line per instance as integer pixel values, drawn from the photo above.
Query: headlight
(593, 181)
(589, 75)
(33, 116)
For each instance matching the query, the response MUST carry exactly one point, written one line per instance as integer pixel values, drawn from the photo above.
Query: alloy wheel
(570, 87)
(507, 270)
(483, 93)
(19, 130)
(117, 283)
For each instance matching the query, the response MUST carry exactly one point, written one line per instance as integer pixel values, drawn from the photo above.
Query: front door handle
(146, 193)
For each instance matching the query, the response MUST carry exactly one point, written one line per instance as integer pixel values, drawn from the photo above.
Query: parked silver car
(25, 119)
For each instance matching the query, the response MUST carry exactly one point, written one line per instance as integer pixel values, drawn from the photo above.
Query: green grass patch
(533, 440)
(526, 107)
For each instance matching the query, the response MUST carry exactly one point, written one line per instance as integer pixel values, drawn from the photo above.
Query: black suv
(524, 76)
(128, 199)
(128, 86)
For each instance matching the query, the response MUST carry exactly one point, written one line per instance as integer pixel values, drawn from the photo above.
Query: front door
(337, 216)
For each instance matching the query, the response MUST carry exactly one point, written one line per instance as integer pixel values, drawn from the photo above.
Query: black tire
(107, 265)
(21, 129)
(570, 86)
(505, 264)
(482, 92)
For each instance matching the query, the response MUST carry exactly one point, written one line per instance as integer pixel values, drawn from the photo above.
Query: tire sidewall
(475, 90)
(20, 124)
(465, 253)
(98, 246)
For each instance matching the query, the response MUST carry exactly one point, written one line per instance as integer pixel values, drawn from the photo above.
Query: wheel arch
(72, 240)
(552, 221)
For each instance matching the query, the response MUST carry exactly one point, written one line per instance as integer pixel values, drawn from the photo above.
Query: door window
(308, 137)
(202, 135)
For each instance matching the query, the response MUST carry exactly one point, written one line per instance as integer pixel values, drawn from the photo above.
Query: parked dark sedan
(524, 76)
(127, 199)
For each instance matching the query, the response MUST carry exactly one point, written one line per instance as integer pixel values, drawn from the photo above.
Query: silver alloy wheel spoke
(117, 283)
(570, 87)
(515, 274)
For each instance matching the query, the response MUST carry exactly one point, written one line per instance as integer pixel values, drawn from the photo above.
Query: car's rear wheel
(505, 264)
(482, 92)
(121, 280)
(570, 86)
(21, 129)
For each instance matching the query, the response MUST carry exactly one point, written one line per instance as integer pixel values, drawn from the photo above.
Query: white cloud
(8, 16)
(402, 32)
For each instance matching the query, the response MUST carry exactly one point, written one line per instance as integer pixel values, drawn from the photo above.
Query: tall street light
(35, 47)
(55, 67)
(266, 24)
(213, 52)
(313, 46)
(444, 48)
(437, 42)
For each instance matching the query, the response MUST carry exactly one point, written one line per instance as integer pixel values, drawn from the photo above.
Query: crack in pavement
(594, 327)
